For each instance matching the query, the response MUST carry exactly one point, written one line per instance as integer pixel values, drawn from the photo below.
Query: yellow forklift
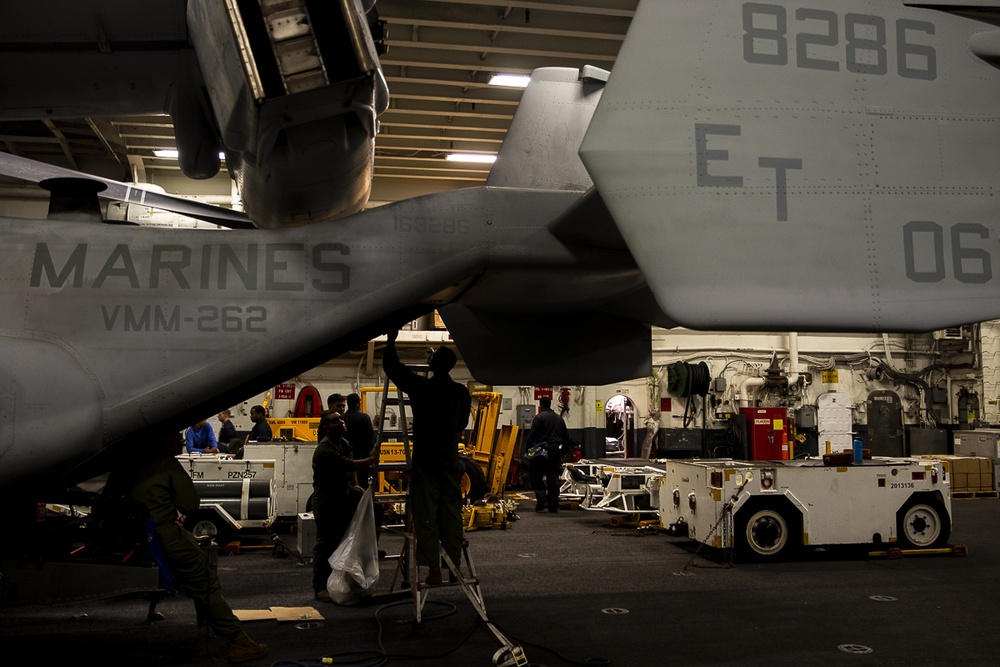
(485, 459)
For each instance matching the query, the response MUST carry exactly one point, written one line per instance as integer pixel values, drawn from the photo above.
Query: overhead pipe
(745, 390)
(793, 358)
(678, 350)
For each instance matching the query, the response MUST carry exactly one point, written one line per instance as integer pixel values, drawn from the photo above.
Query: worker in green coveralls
(152, 477)
(441, 410)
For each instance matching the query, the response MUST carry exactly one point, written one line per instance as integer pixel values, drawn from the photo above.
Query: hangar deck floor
(570, 588)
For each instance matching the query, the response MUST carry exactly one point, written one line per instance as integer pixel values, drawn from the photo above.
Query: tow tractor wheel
(765, 534)
(923, 525)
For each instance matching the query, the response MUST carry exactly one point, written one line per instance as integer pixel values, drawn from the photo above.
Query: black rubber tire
(473, 480)
(767, 532)
(922, 524)
(209, 524)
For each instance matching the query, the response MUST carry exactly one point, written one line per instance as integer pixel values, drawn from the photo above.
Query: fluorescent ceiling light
(510, 80)
(471, 157)
(171, 153)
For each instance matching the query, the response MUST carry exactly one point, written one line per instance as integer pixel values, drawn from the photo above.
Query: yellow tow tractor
(485, 459)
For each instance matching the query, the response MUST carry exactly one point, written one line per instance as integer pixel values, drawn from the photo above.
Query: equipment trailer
(271, 483)
(770, 509)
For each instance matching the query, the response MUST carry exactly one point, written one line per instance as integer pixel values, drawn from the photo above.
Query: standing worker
(549, 429)
(360, 433)
(261, 431)
(336, 403)
(152, 477)
(335, 494)
(441, 409)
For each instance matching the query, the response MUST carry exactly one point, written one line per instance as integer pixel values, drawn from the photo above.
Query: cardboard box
(967, 465)
(967, 474)
(959, 482)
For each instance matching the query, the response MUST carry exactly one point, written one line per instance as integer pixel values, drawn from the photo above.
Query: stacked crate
(970, 476)
(980, 442)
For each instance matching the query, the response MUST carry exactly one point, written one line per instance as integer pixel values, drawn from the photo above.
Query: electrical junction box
(719, 385)
(805, 417)
(525, 413)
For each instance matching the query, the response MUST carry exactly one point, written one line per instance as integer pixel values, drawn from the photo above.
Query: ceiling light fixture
(510, 80)
(171, 153)
(471, 157)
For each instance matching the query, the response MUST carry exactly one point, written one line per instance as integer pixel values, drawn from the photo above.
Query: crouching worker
(152, 477)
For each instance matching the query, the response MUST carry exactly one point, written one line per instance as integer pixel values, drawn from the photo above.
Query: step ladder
(402, 434)
(407, 572)
(510, 654)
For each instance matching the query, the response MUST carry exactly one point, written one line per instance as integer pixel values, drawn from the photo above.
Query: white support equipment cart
(770, 509)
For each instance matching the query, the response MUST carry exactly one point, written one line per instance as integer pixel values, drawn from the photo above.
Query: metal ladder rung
(469, 584)
(390, 497)
(471, 581)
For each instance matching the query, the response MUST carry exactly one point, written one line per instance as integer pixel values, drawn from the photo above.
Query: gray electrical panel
(525, 413)
(805, 417)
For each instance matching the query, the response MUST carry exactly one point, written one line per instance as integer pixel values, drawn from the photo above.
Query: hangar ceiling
(439, 57)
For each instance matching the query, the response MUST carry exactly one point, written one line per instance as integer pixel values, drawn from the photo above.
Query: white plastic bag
(355, 561)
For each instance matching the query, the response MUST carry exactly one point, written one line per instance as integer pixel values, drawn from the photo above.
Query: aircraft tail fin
(540, 149)
(769, 171)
